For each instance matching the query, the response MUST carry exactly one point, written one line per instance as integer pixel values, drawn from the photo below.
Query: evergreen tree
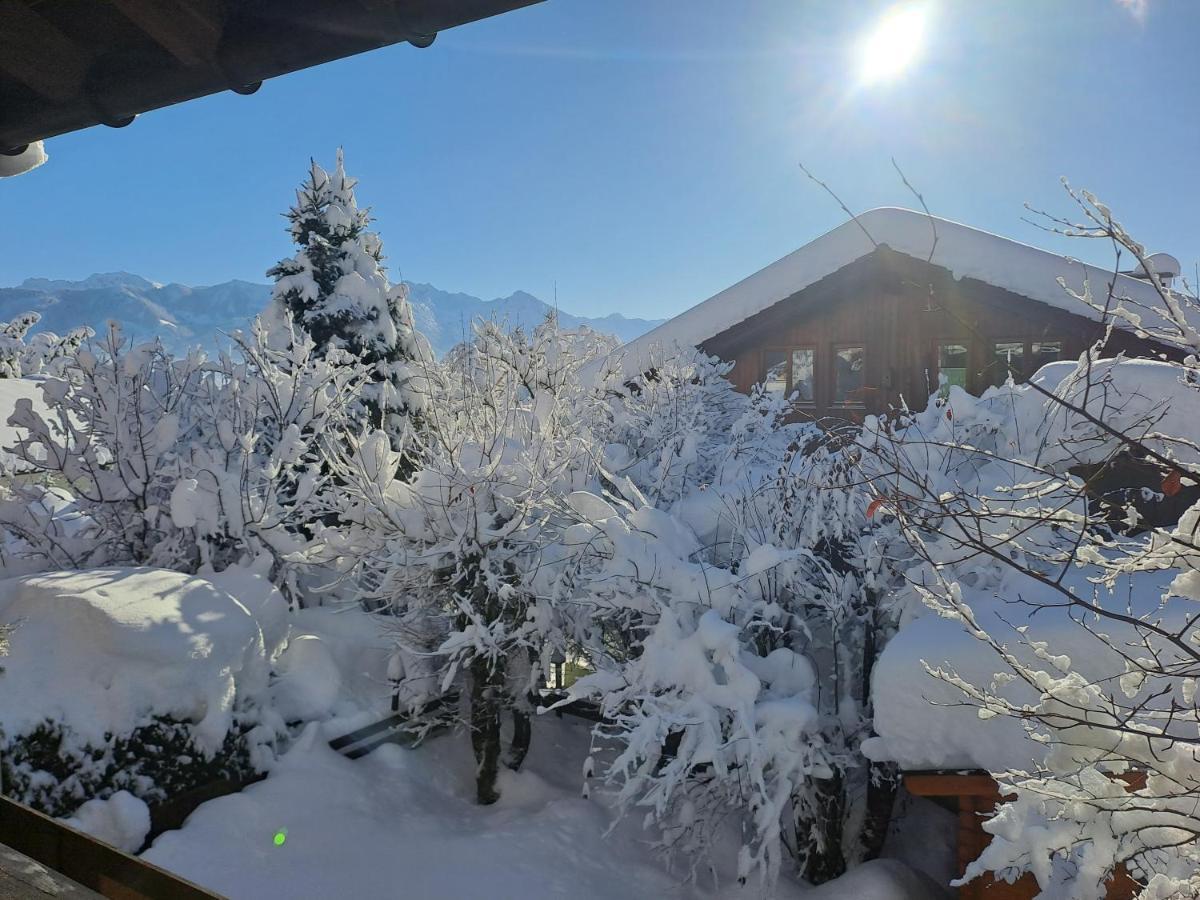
(335, 290)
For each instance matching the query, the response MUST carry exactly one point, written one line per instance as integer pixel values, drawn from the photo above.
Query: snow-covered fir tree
(335, 289)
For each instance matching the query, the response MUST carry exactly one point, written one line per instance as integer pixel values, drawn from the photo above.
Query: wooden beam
(89, 862)
(952, 784)
(259, 39)
(38, 55)
(190, 30)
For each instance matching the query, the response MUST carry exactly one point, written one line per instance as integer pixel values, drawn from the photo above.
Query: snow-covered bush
(44, 351)
(715, 567)
(181, 462)
(334, 289)
(458, 552)
(1087, 607)
(142, 680)
(733, 623)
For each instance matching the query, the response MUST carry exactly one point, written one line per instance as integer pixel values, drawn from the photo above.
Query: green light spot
(280, 837)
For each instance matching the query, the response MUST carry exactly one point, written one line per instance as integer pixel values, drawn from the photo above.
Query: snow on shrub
(42, 352)
(121, 820)
(132, 679)
(462, 550)
(181, 462)
(1083, 606)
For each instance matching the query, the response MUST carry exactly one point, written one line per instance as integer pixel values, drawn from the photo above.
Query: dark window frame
(787, 352)
(935, 353)
(1027, 369)
(860, 403)
(764, 368)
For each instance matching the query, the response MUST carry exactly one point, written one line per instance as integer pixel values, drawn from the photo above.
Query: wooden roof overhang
(72, 64)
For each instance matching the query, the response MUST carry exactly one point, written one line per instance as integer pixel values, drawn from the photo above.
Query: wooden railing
(88, 861)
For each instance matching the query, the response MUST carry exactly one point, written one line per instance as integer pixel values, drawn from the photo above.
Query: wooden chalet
(886, 310)
(876, 312)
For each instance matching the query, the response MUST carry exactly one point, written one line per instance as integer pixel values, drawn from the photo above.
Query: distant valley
(184, 316)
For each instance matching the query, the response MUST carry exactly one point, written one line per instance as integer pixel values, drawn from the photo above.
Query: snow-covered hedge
(135, 679)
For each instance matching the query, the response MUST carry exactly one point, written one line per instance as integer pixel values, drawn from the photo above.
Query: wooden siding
(975, 796)
(900, 309)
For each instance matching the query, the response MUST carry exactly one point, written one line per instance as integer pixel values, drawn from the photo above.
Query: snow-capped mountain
(184, 316)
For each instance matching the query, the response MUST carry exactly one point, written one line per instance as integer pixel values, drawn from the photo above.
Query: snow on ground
(104, 649)
(879, 879)
(403, 822)
(333, 643)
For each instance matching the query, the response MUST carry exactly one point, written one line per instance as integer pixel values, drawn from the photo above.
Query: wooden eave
(72, 64)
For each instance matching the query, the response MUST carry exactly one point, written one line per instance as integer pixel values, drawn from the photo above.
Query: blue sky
(642, 154)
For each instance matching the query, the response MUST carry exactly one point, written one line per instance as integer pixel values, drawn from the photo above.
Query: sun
(893, 44)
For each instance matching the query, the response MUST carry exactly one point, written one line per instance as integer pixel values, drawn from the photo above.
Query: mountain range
(184, 316)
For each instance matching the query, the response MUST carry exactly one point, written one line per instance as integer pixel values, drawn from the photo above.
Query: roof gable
(964, 251)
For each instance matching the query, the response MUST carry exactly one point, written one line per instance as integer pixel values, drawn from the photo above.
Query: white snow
(967, 252)
(923, 722)
(405, 820)
(402, 822)
(121, 820)
(879, 879)
(1139, 397)
(355, 643)
(12, 390)
(101, 650)
(308, 682)
(251, 588)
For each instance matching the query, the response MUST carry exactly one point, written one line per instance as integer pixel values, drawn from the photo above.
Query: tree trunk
(522, 735)
(881, 796)
(826, 860)
(486, 686)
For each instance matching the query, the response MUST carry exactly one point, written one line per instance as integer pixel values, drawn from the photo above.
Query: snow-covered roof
(965, 251)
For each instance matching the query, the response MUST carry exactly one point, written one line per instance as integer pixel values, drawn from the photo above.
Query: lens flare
(280, 837)
(893, 44)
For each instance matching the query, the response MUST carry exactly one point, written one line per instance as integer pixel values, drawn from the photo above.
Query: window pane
(848, 375)
(802, 375)
(952, 363)
(1010, 357)
(775, 373)
(1046, 352)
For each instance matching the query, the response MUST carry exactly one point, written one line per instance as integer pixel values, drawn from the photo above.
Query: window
(803, 371)
(848, 375)
(775, 371)
(1009, 357)
(952, 364)
(788, 372)
(1045, 352)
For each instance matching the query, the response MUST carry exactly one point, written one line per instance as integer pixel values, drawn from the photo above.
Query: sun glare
(893, 44)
